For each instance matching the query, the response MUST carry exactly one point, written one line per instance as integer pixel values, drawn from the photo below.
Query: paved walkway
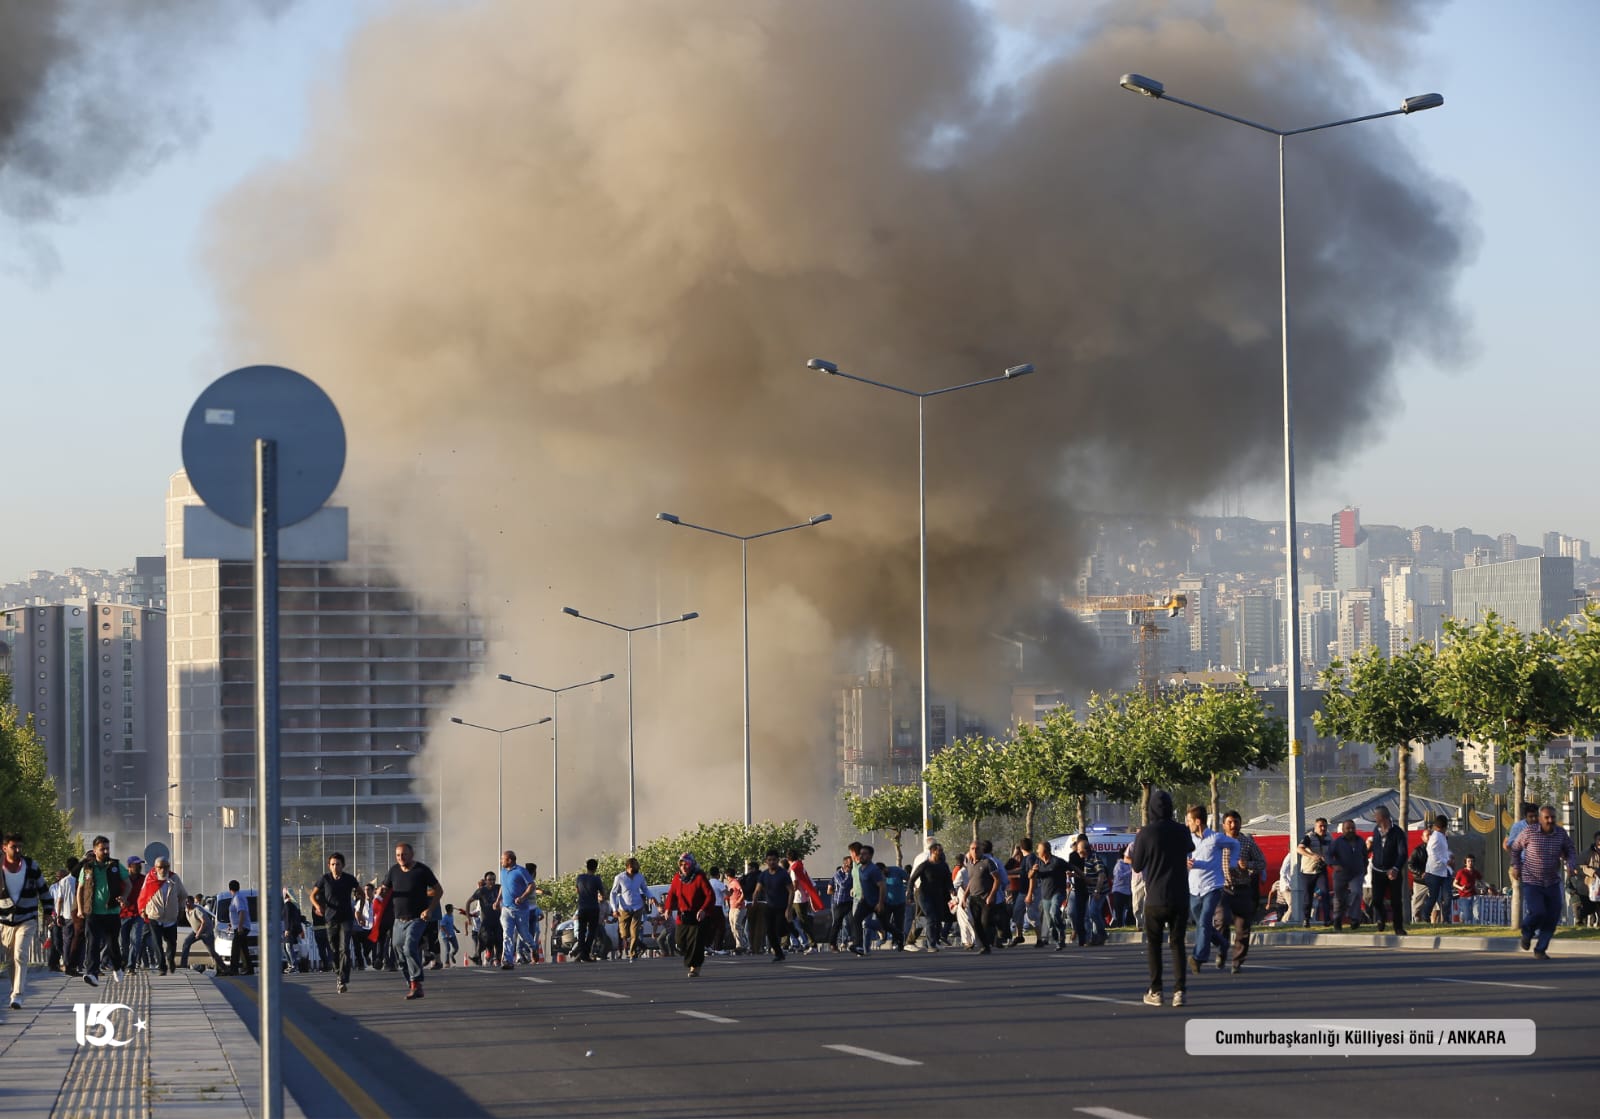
(187, 1053)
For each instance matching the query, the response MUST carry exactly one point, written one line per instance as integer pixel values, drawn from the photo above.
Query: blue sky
(104, 356)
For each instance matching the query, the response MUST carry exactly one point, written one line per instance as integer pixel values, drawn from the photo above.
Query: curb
(1411, 942)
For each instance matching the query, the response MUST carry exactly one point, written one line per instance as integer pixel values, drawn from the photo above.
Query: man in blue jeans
(411, 889)
(1207, 876)
(516, 903)
(1536, 857)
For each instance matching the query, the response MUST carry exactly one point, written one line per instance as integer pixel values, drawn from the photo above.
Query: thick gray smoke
(92, 93)
(562, 265)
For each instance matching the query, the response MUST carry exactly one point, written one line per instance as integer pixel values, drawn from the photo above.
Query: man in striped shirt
(1536, 857)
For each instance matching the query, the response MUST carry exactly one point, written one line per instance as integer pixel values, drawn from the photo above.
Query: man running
(1212, 851)
(410, 888)
(1536, 857)
(21, 887)
(334, 898)
(102, 885)
(591, 893)
(1242, 894)
(516, 902)
(629, 895)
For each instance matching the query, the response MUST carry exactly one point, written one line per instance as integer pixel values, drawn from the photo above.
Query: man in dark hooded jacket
(1161, 852)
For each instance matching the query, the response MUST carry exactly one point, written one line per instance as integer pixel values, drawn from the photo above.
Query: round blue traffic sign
(263, 402)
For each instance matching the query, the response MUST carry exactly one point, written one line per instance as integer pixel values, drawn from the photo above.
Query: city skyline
(115, 293)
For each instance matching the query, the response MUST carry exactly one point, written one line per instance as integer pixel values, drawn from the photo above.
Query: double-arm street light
(1153, 89)
(499, 772)
(1011, 374)
(744, 579)
(555, 760)
(633, 816)
(353, 778)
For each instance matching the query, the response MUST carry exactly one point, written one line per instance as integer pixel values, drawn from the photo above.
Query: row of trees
(1489, 684)
(1125, 746)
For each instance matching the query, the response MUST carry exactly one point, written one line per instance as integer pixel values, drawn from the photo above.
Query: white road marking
(1107, 1113)
(708, 1017)
(873, 1055)
(927, 979)
(1102, 998)
(806, 967)
(534, 979)
(606, 994)
(1267, 967)
(1489, 983)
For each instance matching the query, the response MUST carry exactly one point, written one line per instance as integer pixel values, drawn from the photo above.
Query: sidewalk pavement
(1413, 940)
(188, 1053)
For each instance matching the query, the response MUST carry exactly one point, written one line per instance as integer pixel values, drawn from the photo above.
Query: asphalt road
(1019, 1032)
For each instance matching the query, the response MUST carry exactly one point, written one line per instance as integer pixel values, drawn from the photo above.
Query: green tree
(1580, 665)
(27, 792)
(1030, 770)
(1080, 770)
(1506, 689)
(723, 844)
(893, 809)
(964, 780)
(1130, 744)
(1388, 703)
(1221, 732)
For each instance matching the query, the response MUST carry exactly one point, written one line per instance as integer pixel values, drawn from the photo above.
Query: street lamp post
(555, 760)
(633, 817)
(500, 770)
(744, 579)
(354, 777)
(386, 844)
(1010, 374)
(1149, 87)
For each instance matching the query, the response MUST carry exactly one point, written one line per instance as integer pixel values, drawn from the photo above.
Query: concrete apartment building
(361, 668)
(91, 674)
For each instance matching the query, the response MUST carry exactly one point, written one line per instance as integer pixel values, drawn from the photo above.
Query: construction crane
(1142, 611)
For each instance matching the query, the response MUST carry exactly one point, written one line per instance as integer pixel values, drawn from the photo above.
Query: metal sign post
(264, 448)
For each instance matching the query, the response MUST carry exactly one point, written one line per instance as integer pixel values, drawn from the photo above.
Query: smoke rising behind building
(561, 268)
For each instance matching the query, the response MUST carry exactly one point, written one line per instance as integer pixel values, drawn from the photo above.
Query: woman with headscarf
(692, 898)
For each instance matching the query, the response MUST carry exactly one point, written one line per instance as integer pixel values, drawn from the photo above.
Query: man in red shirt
(692, 898)
(1467, 880)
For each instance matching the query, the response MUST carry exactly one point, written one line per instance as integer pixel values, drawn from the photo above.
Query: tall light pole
(633, 816)
(1149, 87)
(386, 844)
(555, 760)
(744, 579)
(500, 771)
(354, 777)
(1010, 374)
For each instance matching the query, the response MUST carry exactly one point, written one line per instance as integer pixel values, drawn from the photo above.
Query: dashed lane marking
(928, 979)
(807, 967)
(1107, 1113)
(606, 994)
(873, 1055)
(708, 1017)
(1102, 998)
(534, 979)
(1490, 983)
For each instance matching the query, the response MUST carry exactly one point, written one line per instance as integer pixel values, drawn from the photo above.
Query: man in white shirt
(629, 898)
(1207, 876)
(1439, 874)
(64, 895)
